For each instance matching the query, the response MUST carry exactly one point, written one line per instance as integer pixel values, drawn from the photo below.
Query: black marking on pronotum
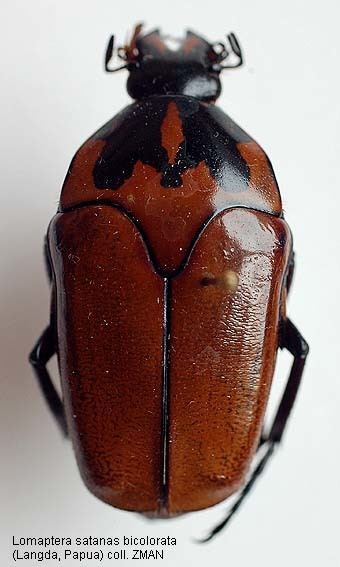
(165, 395)
(125, 146)
(209, 136)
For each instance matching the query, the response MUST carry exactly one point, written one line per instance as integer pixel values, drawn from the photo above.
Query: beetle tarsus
(39, 357)
(236, 49)
(109, 55)
(246, 489)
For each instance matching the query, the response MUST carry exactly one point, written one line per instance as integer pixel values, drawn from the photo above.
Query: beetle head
(159, 65)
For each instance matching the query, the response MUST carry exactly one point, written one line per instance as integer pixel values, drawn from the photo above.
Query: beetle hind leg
(292, 340)
(246, 489)
(39, 357)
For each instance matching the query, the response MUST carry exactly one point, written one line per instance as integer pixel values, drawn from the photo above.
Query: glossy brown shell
(168, 304)
(110, 311)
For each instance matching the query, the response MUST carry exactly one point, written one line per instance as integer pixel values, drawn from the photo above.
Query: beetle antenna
(108, 57)
(256, 473)
(236, 49)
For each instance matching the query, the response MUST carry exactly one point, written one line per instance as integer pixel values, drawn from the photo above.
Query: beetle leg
(47, 261)
(262, 441)
(293, 341)
(290, 274)
(39, 357)
(246, 489)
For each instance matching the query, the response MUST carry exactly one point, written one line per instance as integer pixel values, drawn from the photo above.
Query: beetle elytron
(170, 263)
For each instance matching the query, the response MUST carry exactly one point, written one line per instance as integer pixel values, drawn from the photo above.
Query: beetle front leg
(294, 342)
(39, 357)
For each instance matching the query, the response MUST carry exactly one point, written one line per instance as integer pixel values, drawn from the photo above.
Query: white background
(54, 94)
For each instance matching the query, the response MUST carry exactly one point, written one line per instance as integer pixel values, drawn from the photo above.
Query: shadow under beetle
(170, 263)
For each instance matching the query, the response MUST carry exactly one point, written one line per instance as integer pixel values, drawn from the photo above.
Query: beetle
(170, 262)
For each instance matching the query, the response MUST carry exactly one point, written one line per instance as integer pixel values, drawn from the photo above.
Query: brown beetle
(170, 264)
